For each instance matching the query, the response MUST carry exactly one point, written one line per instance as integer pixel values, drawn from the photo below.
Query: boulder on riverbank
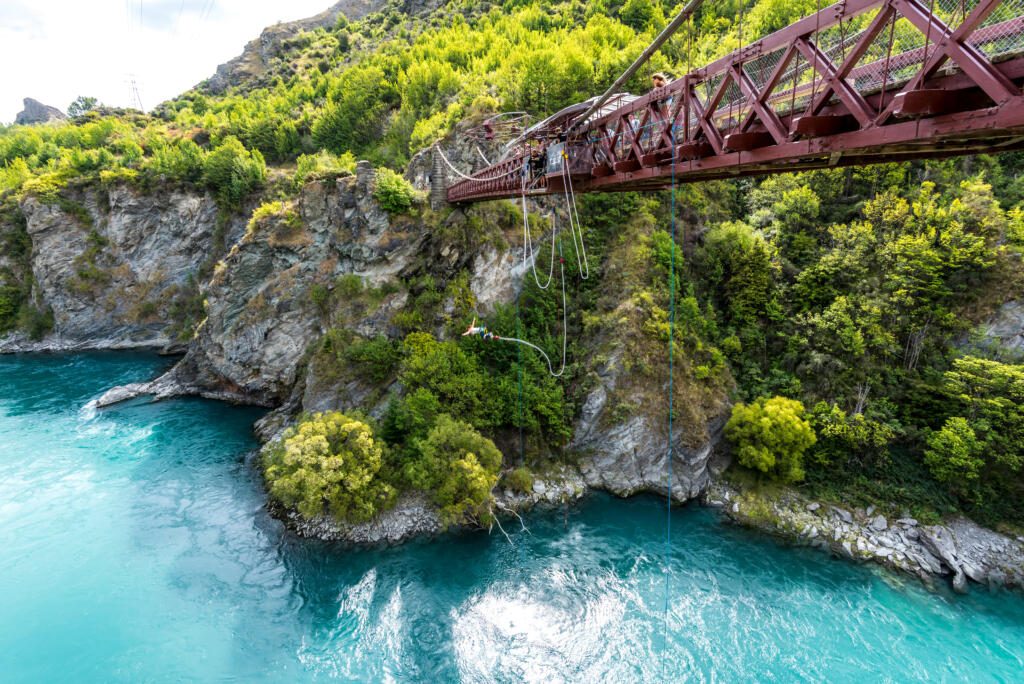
(960, 549)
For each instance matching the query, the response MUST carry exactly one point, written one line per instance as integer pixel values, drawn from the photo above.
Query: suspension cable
(476, 176)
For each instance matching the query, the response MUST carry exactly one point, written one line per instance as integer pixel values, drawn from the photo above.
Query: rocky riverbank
(959, 550)
(413, 516)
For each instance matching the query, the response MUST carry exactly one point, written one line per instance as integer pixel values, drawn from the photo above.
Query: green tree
(460, 467)
(329, 463)
(991, 395)
(637, 14)
(233, 171)
(354, 115)
(797, 225)
(81, 105)
(771, 435)
(953, 452)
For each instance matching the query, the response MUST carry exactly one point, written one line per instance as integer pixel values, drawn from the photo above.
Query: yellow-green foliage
(282, 212)
(329, 463)
(393, 192)
(322, 165)
(519, 480)
(771, 435)
(459, 466)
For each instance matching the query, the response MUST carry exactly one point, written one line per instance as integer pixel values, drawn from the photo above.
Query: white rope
(476, 176)
(482, 155)
(528, 253)
(570, 203)
(565, 335)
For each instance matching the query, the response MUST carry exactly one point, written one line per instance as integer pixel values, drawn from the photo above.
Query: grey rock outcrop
(1005, 330)
(627, 455)
(261, 317)
(111, 265)
(414, 516)
(250, 66)
(959, 549)
(35, 112)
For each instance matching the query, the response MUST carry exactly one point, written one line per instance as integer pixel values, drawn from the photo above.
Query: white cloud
(57, 50)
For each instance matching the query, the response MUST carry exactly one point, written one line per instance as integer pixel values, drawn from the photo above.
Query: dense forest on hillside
(838, 307)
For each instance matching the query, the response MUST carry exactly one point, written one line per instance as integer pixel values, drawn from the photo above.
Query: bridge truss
(860, 82)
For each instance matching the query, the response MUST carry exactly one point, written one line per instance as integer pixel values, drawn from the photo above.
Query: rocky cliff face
(117, 267)
(262, 313)
(111, 263)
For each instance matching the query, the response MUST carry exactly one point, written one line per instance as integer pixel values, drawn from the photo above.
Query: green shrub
(393, 192)
(520, 480)
(320, 296)
(10, 303)
(233, 172)
(953, 453)
(182, 160)
(283, 213)
(375, 360)
(771, 435)
(35, 322)
(459, 467)
(410, 419)
(452, 375)
(322, 165)
(329, 463)
(45, 188)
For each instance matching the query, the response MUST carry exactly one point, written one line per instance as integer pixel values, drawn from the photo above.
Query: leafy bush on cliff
(393, 192)
(10, 303)
(233, 172)
(322, 165)
(771, 435)
(953, 454)
(519, 480)
(329, 463)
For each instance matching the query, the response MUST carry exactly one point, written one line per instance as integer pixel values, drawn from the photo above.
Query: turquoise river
(134, 547)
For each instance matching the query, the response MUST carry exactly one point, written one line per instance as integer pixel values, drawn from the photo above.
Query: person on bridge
(660, 80)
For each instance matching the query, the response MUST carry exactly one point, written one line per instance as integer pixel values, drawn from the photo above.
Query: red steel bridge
(860, 82)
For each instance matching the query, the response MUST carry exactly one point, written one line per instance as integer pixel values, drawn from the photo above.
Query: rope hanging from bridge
(528, 254)
(574, 220)
(482, 332)
(530, 261)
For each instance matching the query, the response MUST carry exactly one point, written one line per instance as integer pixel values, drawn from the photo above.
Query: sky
(56, 50)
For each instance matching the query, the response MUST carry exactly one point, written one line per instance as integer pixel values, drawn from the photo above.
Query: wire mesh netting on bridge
(859, 81)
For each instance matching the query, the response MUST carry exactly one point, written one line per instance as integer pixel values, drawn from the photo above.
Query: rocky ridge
(35, 112)
(959, 550)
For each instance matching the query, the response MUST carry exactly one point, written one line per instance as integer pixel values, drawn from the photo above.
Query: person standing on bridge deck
(659, 80)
